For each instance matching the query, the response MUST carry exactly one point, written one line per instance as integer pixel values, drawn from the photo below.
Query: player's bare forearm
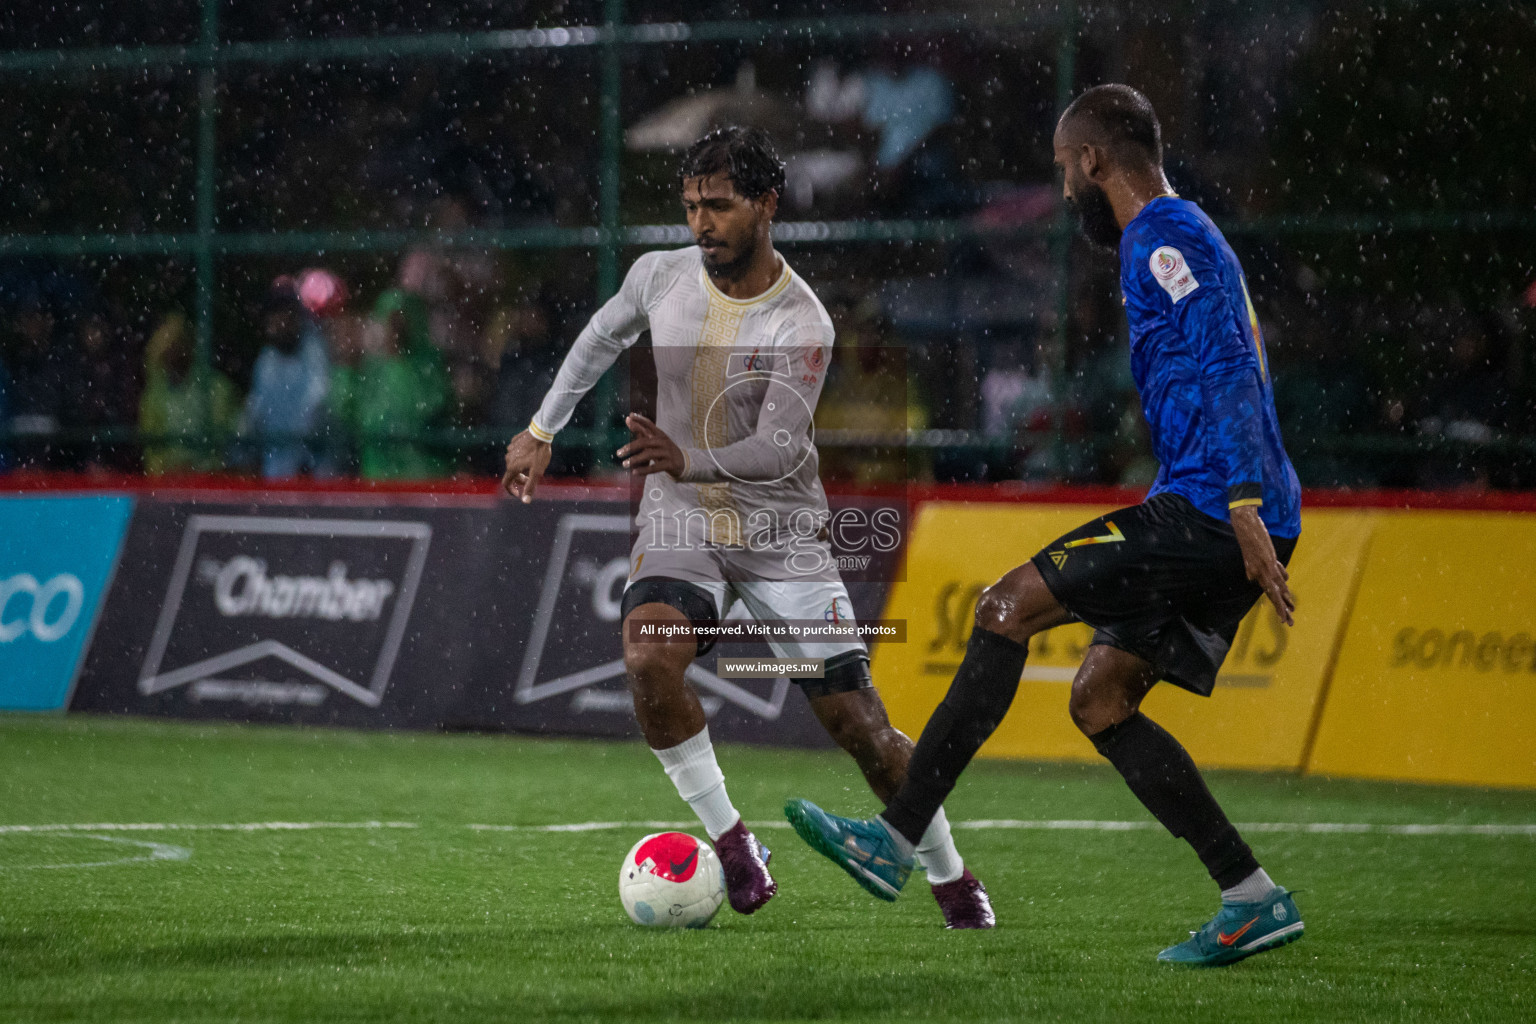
(1260, 562)
(527, 458)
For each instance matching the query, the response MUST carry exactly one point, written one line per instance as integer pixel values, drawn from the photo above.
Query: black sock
(976, 702)
(1164, 778)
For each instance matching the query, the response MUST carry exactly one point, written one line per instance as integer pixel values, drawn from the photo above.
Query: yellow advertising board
(1436, 678)
(1266, 698)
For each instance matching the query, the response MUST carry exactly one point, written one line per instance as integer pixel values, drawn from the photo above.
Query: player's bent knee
(992, 609)
(647, 661)
(645, 666)
(1019, 605)
(667, 605)
(1093, 711)
(1082, 713)
(999, 610)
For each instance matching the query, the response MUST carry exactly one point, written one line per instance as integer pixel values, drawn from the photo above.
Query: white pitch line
(1319, 827)
(1302, 827)
(1065, 824)
(157, 851)
(248, 826)
(1020, 824)
(1076, 825)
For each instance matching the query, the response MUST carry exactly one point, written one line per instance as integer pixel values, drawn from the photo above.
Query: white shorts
(726, 575)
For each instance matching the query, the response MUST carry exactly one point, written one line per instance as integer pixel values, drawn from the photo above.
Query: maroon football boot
(964, 903)
(745, 862)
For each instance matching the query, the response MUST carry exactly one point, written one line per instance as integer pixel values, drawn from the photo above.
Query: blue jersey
(1197, 355)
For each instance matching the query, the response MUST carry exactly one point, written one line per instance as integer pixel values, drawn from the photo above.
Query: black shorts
(1161, 580)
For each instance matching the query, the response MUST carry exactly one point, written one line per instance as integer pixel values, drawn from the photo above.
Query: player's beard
(732, 269)
(1095, 216)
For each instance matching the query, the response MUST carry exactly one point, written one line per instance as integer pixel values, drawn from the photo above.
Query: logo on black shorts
(1114, 536)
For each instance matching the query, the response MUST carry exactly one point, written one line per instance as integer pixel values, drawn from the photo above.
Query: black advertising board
(479, 614)
(283, 613)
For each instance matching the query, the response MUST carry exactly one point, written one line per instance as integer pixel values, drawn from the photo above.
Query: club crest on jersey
(834, 612)
(1171, 272)
(815, 359)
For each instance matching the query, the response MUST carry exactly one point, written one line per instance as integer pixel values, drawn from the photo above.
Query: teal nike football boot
(864, 849)
(1240, 930)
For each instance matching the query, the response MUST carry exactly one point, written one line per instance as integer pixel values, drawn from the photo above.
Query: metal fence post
(1061, 245)
(207, 195)
(611, 136)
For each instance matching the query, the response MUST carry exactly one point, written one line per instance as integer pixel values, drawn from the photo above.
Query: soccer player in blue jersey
(1164, 583)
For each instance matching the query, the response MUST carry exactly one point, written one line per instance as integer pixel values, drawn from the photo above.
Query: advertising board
(56, 557)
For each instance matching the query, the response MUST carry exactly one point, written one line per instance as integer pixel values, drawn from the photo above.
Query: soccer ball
(671, 880)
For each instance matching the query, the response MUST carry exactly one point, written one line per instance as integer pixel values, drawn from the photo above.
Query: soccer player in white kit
(733, 508)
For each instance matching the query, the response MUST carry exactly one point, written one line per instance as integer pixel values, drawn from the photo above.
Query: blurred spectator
(103, 385)
(1013, 388)
(457, 286)
(322, 292)
(187, 422)
(1322, 395)
(346, 335)
(39, 387)
(1104, 391)
(5, 415)
(1473, 401)
(867, 392)
(284, 408)
(1018, 404)
(521, 346)
(401, 392)
(1472, 404)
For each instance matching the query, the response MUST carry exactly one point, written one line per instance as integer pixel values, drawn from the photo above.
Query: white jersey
(737, 385)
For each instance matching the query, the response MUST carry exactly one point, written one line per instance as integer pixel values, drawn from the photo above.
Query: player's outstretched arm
(612, 329)
(1260, 563)
(527, 458)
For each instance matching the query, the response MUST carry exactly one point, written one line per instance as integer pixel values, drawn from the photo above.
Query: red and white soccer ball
(671, 880)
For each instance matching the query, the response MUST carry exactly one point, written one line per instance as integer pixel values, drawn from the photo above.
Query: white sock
(936, 852)
(1250, 890)
(692, 768)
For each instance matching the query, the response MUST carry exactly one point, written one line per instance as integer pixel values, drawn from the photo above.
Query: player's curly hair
(745, 155)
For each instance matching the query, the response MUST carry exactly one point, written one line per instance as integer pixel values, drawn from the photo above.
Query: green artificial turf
(441, 922)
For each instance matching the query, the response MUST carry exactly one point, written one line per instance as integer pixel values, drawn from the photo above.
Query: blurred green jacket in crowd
(401, 391)
(187, 421)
